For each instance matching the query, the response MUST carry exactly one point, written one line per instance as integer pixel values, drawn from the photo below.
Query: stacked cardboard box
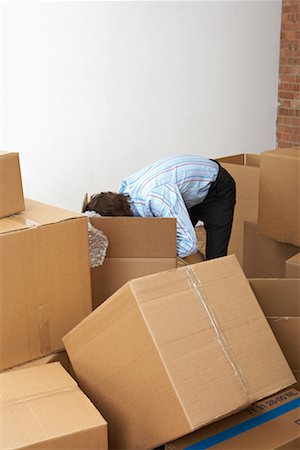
(263, 256)
(280, 302)
(279, 195)
(45, 280)
(192, 341)
(42, 407)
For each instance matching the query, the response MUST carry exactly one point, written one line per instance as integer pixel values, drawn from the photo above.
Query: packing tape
(7, 403)
(44, 332)
(195, 283)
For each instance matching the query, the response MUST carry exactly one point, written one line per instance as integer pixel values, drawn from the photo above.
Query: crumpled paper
(98, 242)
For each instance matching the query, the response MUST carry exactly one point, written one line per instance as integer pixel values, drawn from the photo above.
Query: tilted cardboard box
(11, 189)
(264, 257)
(43, 408)
(170, 352)
(137, 246)
(244, 169)
(45, 287)
(280, 302)
(279, 195)
(292, 267)
(270, 424)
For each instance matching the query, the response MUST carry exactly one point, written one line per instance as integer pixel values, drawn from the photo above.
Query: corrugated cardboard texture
(11, 190)
(115, 272)
(44, 283)
(245, 171)
(280, 302)
(43, 408)
(256, 434)
(279, 195)
(192, 341)
(137, 247)
(292, 267)
(264, 257)
(138, 237)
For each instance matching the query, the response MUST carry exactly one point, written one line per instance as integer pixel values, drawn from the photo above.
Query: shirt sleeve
(167, 201)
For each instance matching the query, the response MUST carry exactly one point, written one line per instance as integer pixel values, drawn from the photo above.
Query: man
(187, 187)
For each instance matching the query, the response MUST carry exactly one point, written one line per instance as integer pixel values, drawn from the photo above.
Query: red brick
(288, 79)
(284, 94)
(295, 121)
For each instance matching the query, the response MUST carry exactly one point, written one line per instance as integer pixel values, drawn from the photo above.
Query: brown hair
(109, 204)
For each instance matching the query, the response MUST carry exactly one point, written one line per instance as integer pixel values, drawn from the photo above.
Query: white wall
(92, 91)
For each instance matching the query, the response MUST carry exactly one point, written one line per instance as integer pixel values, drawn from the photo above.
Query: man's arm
(166, 201)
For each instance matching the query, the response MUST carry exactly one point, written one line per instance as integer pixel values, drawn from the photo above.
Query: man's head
(109, 204)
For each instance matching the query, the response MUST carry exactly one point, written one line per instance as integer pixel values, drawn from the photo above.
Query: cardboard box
(45, 287)
(137, 246)
(280, 302)
(43, 408)
(11, 189)
(264, 257)
(279, 195)
(245, 170)
(270, 424)
(292, 267)
(170, 352)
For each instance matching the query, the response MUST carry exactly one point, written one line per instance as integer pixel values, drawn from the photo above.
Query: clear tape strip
(7, 403)
(195, 283)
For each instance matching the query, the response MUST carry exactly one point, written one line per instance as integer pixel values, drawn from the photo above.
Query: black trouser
(216, 212)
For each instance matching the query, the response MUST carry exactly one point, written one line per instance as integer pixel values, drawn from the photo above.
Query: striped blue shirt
(169, 188)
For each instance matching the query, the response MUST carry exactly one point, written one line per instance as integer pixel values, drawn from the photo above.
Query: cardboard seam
(198, 289)
(8, 403)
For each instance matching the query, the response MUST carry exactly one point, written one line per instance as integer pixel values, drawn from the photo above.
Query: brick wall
(288, 116)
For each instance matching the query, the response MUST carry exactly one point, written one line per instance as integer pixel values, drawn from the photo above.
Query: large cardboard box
(43, 408)
(137, 246)
(45, 287)
(280, 302)
(270, 424)
(292, 267)
(244, 169)
(279, 195)
(170, 352)
(11, 189)
(264, 257)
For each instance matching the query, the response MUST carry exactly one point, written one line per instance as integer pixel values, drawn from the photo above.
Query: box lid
(35, 214)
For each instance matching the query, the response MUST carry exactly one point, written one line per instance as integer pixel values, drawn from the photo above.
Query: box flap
(36, 214)
(138, 237)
